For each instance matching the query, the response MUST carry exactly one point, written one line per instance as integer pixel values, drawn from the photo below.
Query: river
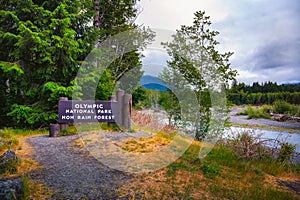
(283, 136)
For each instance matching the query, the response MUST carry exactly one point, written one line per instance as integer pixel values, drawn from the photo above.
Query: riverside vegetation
(279, 106)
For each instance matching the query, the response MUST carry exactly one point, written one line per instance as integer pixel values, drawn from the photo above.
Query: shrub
(247, 145)
(263, 112)
(286, 152)
(252, 146)
(282, 107)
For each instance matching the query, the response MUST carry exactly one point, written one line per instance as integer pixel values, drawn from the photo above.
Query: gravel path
(71, 173)
(241, 119)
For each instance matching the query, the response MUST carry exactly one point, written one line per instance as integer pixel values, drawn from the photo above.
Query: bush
(28, 117)
(286, 152)
(252, 146)
(283, 107)
(247, 145)
(256, 113)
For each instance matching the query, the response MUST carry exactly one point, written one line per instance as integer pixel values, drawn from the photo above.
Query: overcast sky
(263, 34)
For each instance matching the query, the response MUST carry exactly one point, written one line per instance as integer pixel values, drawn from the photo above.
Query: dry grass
(150, 122)
(24, 151)
(144, 144)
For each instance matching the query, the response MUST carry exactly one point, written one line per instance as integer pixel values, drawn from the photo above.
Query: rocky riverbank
(242, 120)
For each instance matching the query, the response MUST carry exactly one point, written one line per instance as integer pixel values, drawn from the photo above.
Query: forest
(264, 93)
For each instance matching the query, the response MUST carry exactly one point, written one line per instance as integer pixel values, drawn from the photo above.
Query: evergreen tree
(43, 43)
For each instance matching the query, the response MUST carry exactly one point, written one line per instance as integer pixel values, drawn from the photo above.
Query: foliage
(139, 97)
(256, 112)
(196, 60)
(170, 104)
(279, 106)
(286, 152)
(43, 43)
(267, 93)
(105, 86)
(248, 145)
(286, 108)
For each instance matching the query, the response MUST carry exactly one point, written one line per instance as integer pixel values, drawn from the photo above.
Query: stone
(8, 162)
(8, 157)
(11, 189)
(54, 130)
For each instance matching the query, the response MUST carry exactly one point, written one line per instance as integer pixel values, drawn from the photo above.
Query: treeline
(265, 93)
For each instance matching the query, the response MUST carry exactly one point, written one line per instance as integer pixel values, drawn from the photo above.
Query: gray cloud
(263, 34)
(273, 55)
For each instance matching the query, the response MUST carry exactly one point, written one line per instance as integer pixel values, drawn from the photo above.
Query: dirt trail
(71, 173)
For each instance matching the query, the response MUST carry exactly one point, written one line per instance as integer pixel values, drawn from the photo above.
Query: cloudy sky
(263, 34)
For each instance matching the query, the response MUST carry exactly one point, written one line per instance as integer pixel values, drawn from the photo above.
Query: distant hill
(152, 83)
(292, 84)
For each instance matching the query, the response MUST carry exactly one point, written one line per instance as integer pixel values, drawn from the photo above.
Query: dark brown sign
(87, 111)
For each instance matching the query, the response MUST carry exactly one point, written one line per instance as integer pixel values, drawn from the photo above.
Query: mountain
(152, 83)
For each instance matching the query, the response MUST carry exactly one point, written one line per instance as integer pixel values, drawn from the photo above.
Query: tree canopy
(43, 43)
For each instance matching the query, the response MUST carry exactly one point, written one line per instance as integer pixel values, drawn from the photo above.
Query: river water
(282, 136)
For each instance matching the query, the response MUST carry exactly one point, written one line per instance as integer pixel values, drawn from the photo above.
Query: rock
(8, 161)
(54, 130)
(11, 189)
(8, 157)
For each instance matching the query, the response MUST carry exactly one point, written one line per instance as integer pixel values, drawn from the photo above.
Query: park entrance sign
(87, 111)
(116, 110)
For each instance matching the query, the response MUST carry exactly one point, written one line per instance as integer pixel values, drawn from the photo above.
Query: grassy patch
(144, 144)
(220, 175)
(252, 112)
(33, 190)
